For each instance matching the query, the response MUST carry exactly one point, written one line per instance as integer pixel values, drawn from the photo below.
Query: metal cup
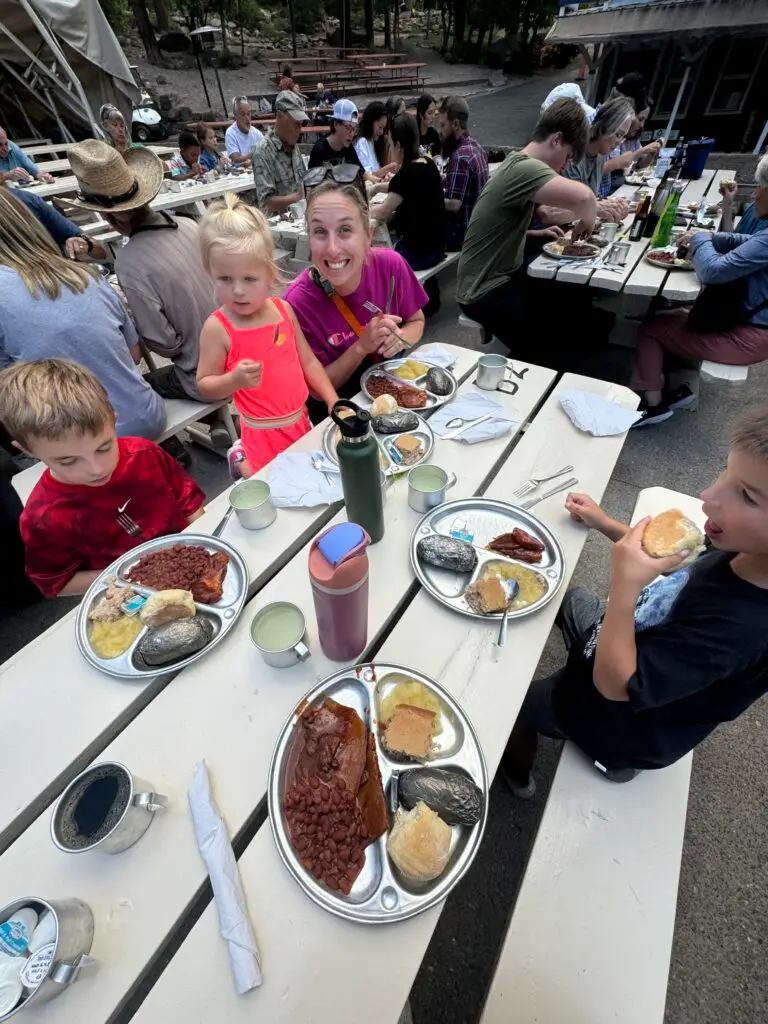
(618, 254)
(288, 656)
(55, 966)
(132, 809)
(423, 496)
(608, 231)
(252, 502)
(492, 374)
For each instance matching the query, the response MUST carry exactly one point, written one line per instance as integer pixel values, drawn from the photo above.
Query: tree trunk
(345, 23)
(161, 16)
(292, 18)
(223, 23)
(459, 25)
(482, 29)
(490, 35)
(387, 27)
(445, 18)
(368, 15)
(146, 32)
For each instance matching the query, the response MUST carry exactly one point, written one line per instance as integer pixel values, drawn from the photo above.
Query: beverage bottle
(661, 235)
(338, 573)
(641, 215)
(358, 454)
(657, 205)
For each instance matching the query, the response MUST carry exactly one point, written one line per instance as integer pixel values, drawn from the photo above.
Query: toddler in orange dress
(252, 348)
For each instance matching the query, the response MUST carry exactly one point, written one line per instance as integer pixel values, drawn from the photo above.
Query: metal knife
(554, 490)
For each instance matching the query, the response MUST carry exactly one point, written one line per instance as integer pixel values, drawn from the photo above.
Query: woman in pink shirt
(328, 297)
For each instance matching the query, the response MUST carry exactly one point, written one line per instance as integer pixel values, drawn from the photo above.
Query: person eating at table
(608, 128)
(241, 138)
(187, 164)
(101, 494)
(15, 165)
(115, 129)
(652, 672)
(750, 223)
(210, 158)
(394, 106)
(278, 167)
(69, 237)
(51, 307)
(466, 173)
(429, 138)
(371, 141)
(630, 150)
(493, 286)
(337, 147)
(158, 267)
(333, 298)
(728, 322)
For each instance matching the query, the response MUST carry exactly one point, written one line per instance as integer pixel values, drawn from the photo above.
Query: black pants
(425, 261)
(17, 591)
(166, 383)
(525, 314)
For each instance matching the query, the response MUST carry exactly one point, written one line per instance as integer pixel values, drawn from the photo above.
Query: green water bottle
(663, 230)
(358, 454)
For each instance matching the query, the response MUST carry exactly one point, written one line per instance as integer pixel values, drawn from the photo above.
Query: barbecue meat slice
(210, 587)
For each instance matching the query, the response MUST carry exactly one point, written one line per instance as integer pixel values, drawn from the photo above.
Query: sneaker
(235, 455)
(220, 435)
(523, 789)
(618, 775)
(652, 414)
(680, 398)
(178, 451)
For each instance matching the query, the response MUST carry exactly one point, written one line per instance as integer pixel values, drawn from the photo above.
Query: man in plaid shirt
(466, 173)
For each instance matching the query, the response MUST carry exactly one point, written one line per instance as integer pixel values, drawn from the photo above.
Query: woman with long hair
(415, 203)
(115, 129)
(426, 111)
(394, 106)
(371, 142)
(608, 129)
(53, 308)
(346, 273)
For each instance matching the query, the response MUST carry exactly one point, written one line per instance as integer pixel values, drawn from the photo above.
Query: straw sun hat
(110, 182)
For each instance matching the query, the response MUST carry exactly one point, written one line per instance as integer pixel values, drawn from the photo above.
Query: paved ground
(718, 958)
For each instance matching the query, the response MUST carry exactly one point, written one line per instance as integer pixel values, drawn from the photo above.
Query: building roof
(651, 19)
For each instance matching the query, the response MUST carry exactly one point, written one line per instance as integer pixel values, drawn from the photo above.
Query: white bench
(590, 937)
(450, 259)
(179, 414)
(723, 371)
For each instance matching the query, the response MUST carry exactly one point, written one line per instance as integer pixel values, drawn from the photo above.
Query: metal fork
(131, 528)
(530, 485)
(373, 308)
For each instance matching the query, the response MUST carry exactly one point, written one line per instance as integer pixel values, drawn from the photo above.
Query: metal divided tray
(681, 265)
(433, 401)
(484, 519)
(388, 463)
(222, 615)
(380, 895)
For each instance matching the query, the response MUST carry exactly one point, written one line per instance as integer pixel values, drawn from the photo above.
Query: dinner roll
(672, 532)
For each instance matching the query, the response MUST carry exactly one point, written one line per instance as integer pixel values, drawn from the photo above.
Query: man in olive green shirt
(278, 169)
(493, 287)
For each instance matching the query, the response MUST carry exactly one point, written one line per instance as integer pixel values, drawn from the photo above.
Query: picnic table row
(638, 277)
(367, 78)
(60, 714)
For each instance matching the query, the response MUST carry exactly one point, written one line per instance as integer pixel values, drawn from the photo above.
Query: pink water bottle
(338, 571)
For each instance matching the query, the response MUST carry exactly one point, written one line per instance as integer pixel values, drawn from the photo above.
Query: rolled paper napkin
(596, 415)
(216, 851)
(295, 483)
(472, 407)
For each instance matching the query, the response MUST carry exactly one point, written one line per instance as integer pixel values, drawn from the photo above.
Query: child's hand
(585, 510)
(632, 568)
(247, 374)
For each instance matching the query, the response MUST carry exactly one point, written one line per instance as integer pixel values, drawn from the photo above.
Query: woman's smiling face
(338, 240)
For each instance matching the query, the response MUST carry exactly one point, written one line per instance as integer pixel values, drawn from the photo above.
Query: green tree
(118, 15)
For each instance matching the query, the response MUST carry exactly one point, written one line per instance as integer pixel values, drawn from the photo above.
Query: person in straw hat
(159, 268)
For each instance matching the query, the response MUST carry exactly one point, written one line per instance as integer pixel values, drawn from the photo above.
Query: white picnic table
(638, 277)
(228, 709)
(50, 149)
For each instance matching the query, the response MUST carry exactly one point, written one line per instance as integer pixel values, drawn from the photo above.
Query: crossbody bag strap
(347, 313)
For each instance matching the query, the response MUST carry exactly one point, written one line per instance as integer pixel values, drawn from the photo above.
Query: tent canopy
(62, 59)
(649, 19)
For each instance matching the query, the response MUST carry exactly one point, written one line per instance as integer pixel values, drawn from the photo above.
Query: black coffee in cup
(93, 807)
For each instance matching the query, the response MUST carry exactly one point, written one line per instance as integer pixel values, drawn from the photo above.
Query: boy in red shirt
(98, 489)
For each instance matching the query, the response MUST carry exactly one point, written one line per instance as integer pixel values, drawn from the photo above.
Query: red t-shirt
(68, 528)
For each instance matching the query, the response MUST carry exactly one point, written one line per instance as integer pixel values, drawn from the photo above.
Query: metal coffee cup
(294, 650)
(492, 374)
(105, 808)
(427, 486)
(252, 502)
(56, 965)
(618, 254)
(608, 231)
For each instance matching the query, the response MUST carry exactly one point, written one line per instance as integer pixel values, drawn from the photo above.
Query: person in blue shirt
(66, 234)
(750, 223)
(15, 165)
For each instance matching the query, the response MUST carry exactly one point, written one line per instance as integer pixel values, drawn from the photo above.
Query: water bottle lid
(349, 567)
(356, 426)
